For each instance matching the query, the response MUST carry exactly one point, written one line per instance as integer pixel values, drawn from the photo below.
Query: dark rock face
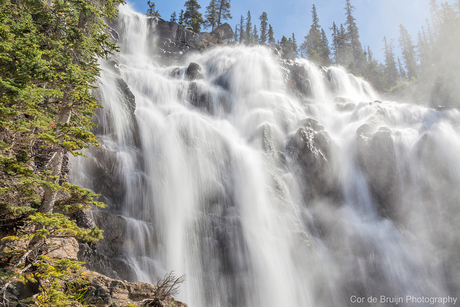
(377, 159)
(174, 40)
(311, 148)
(297, 79)
(105, 256)
(194, 71)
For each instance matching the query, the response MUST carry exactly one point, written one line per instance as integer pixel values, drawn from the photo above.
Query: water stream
(228, 180)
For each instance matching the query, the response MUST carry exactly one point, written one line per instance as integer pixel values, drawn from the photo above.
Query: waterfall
(270, 182)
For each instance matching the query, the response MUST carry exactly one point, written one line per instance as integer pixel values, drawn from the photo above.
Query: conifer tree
(314, 47)
(401, 71)
(263, 27)
(182, 18)
(353, 44)
(173, 17)
(49, 55)
(408, 52)
(325, 51)
(242, 36)
(151, 11)
(248, 34)
(211, 15)
(295, 48)
(192, 17)
(255, 35)
(271, 38)
(236, 34)
(223, 11)
(391, 72)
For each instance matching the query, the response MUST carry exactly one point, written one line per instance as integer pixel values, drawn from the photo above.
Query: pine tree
(151, 11)
(353, 45)
(295, 48)
(192, 17)
(408, 52)
(314, 47)
(271, 38)
(248, 34)
(242, 36)
(49, 55)
(182, 18)
(374, 73)
(263, 27)
(391, 72)
(401, 71)
(255, 35)
(236, 34)
(173, 17)
(224, 11)
(211, 15)
(325, 51)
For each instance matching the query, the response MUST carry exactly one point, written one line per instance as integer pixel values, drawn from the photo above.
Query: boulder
(311, 147)
(194, 71)
(377, 160)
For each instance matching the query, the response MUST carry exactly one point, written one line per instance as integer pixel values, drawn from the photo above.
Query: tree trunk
(55, 163)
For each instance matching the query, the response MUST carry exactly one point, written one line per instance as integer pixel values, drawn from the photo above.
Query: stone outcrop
(105, 256)
(377, 159)
(103, 291)
(174, 40)
(311, 147)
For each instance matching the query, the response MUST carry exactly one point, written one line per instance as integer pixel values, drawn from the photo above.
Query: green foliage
(151, 11)
(48, 62)
(192, 18)
(263, 27)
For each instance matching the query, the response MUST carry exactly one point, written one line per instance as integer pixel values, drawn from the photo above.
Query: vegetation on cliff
(48, 62)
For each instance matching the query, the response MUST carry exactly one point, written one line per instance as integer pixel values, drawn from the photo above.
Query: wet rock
(341, 99)
(106, 256)
(297, 79)
(194, 71)
(175, 40)
(377, 159)
(311, 148)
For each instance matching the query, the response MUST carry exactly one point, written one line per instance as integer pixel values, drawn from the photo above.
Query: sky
(374, 18)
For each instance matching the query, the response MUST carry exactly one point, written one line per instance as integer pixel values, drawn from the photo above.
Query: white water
(214, 193)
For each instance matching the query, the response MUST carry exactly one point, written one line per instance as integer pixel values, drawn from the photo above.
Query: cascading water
(263, 197)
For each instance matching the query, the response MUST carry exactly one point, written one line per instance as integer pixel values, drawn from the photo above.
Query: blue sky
(375, 18)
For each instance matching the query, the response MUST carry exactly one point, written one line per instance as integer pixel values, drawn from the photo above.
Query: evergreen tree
(391, 72)
(151, 11)
(192, 17)
(374, 73)
(353, 44)
(211, 15)
(242, 36)
(294, 48)
(173, 17)
(271, 38)
(314, 47)
(255, 35)
(325, 51)
(408, 52)
(224, 11)
(248, 34)
(49, 55)
(236, 34)
(263, 27)
(401, 71)
(182, 18)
